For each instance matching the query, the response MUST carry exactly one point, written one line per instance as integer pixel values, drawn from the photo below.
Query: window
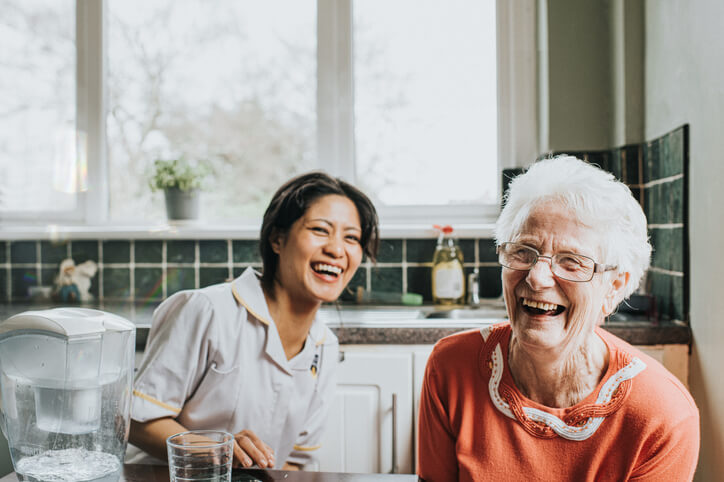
(41, 160)
(425, 101)
(230, 83)
(398, 97)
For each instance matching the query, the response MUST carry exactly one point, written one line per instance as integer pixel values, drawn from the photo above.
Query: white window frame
(518, 109)
(517, 104)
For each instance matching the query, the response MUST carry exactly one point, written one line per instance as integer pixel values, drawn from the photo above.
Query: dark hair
(292, 200)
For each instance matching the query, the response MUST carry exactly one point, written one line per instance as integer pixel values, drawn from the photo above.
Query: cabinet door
(419, 361)
(374, 389)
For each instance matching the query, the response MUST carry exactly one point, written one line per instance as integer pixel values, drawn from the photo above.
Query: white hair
(595, 198)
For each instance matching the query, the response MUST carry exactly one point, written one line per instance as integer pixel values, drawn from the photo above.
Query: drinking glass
(200, 455)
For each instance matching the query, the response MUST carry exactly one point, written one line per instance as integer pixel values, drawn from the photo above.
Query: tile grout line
(101, 276)
(663, 180)
(38, 275)
(8, 273)
(197, 265)
(404, 266)
(654, 269)
(229, 260)
(164, 269)
(640, 176)
(132, 269)
(665, 226)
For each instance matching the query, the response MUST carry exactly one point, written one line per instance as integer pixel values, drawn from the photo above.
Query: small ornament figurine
(72, 284)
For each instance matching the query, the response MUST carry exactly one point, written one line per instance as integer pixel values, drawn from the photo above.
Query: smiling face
(547, 312)
(321, 251)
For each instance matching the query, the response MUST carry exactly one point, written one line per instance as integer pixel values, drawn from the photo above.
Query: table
(158, 473)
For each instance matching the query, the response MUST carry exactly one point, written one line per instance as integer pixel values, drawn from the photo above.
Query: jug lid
(69, 322)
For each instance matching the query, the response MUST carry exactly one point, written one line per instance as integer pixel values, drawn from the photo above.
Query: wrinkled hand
(249, 450)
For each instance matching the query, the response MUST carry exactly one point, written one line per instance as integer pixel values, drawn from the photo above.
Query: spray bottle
(448, 279)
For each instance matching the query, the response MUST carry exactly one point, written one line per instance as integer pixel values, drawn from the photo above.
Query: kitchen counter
(394, 325)
(634, 332)
(156, 473)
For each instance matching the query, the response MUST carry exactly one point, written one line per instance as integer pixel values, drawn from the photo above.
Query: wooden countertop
(156, 473)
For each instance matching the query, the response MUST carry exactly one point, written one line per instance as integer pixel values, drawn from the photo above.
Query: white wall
(591, 74)
(685, 84)
(579, 64)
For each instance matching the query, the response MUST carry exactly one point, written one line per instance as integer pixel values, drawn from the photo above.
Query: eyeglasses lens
(572, 267)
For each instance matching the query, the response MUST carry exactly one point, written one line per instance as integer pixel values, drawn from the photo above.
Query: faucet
(473, 298)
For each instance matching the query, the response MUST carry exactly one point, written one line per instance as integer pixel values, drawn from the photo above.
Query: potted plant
(181, 182)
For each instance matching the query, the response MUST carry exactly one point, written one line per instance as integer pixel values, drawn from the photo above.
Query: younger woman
(249, 356)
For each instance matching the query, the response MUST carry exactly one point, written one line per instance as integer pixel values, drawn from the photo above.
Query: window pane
(425, 101)
(230, 83)
(38, 160)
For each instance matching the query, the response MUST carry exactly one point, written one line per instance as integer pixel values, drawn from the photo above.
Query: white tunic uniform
(214, 360)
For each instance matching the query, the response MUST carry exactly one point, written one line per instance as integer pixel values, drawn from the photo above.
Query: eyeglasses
(567, 266)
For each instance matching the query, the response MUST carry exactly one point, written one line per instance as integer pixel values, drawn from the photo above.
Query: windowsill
(60, 232)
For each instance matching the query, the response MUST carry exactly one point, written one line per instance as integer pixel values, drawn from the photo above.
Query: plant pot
(182, 205)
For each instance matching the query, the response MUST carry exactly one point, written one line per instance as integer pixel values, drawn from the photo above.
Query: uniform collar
(248, 293)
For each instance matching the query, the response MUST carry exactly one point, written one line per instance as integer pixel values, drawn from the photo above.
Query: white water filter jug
(65, 393)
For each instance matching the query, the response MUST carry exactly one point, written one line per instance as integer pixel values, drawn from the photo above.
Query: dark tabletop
(157, 473)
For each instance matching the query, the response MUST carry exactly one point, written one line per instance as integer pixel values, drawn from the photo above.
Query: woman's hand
(250, 449)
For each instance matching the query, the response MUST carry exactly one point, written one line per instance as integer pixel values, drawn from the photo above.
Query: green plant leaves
(178, 173)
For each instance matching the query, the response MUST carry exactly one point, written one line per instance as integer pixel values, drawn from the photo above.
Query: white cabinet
(370, 426)
(674, 357)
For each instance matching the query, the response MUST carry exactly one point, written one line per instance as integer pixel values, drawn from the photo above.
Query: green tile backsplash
(669, 243)
(420, 250)
(181, 251)
(148, 284)
(141, 270)
(21, 280)
(178, 279)
(116, 251)
(245, 251)
(386, 279)
(212, 276)
(53, 252)
(213, 251)
(390, 251)
(23, 252)
(486, 251)
(148, 251)
(82, 251)
(656, 172)
(116, 283)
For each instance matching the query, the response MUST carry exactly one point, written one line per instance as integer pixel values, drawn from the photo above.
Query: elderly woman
(549, 395)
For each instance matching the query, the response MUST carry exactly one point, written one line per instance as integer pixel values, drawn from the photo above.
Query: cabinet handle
(394, 434)
(340, 358)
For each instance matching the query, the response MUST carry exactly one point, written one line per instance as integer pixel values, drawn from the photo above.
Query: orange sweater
(640, 423)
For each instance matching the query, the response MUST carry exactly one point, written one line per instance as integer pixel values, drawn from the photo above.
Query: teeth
(328, 268)
(540, 305)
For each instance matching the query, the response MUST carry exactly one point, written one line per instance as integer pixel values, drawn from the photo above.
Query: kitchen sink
(399, 316)
(469, 313)
(332, 315)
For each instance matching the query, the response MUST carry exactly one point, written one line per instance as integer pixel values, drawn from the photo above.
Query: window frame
(518, 110)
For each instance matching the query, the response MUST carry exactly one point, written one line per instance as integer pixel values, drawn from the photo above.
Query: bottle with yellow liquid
(448, 277)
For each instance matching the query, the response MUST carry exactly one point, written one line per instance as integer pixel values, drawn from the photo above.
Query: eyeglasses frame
(597, 267)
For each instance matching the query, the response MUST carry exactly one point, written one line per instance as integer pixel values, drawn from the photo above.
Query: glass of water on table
(200, 455)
